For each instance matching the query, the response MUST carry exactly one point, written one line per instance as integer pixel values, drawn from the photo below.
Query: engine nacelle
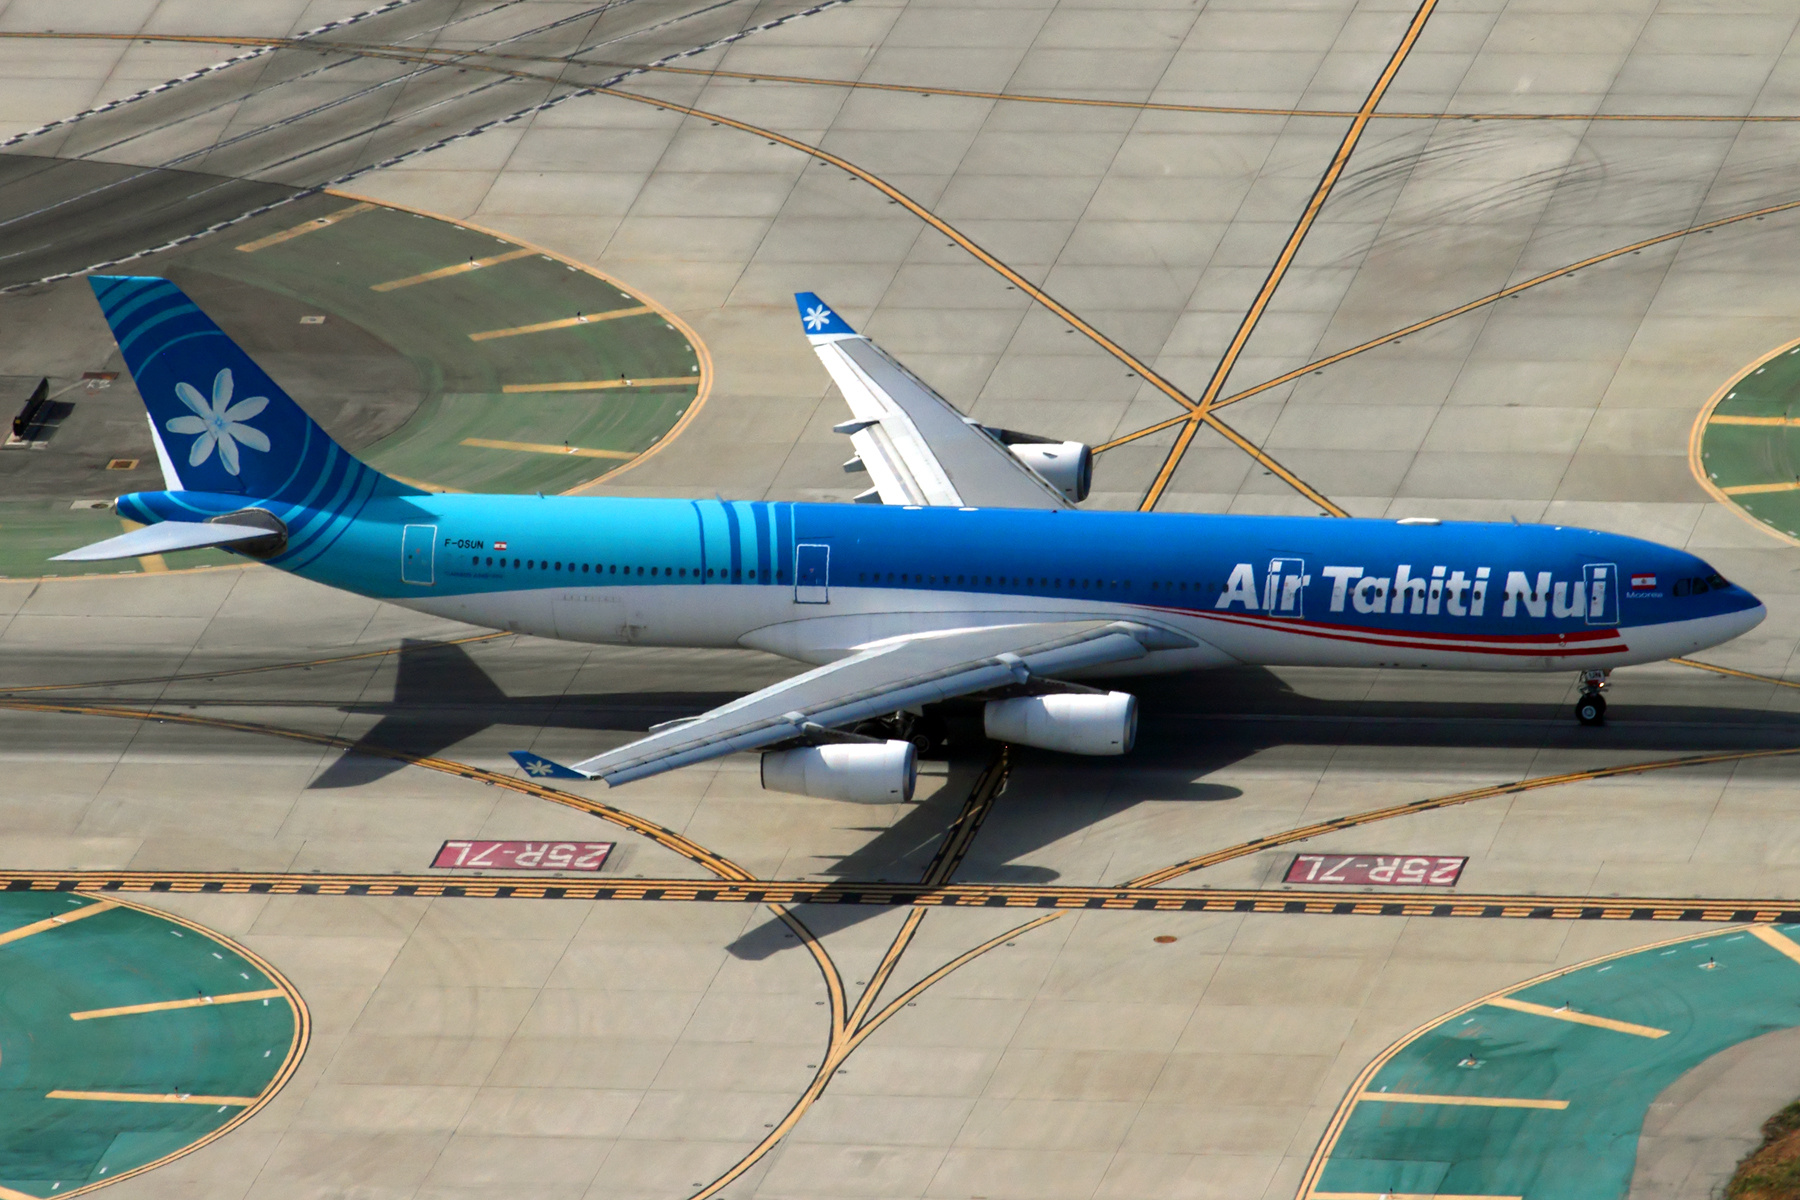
(860, 772)
(1066, 466)
(1074, 723)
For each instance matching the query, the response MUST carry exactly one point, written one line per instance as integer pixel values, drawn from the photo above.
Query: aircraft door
(1284, 592)
(1602, 583)
(418, 548)
(812, 574)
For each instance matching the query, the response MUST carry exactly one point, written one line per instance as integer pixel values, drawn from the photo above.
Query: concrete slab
(629, 1049)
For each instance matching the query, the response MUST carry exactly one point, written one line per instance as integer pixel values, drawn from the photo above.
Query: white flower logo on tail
(219, 423)
(817, 317)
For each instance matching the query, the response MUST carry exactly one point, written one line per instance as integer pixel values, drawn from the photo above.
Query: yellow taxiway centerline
(1474, 1101)
(489, 335)
(275, 239)
(166, 1005)
(25, 931)
(545, 448)
(597, 385)
(1577, 1018)
(474, 264)
(1228, 361)
(143, 1098)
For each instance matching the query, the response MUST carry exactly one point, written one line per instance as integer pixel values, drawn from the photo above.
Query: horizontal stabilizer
(162, 538)
(539, 767)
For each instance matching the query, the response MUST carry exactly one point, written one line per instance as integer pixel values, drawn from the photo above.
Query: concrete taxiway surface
(1281, 234)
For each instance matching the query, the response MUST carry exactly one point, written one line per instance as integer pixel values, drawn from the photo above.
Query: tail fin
(220, 423)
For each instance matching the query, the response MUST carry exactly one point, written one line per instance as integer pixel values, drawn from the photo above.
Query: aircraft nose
(1753, 616)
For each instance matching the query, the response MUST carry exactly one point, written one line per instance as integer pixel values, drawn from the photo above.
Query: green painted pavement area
(337, 270)
(1609, 1078)
(114, 958)
(1748, 455)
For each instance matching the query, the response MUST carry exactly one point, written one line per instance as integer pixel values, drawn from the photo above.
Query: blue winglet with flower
(819, 321)
(538, 767)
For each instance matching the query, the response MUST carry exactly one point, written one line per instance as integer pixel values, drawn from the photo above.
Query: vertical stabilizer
(220, 423)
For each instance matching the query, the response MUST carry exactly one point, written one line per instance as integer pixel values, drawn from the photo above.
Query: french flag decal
(1642, 583)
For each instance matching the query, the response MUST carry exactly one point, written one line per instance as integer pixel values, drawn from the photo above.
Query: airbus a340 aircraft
(968, 572)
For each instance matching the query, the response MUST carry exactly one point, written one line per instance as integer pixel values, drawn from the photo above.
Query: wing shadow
(443, 697)
(1191, 727)
(440, 698)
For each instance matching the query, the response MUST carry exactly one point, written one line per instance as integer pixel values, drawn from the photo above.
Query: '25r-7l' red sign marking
(1387, 870)
(524, 856)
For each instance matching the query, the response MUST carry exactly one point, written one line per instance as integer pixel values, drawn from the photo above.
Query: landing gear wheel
(1591, 709)
(929, 736)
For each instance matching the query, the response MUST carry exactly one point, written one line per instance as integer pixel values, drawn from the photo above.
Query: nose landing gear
(1591, 708)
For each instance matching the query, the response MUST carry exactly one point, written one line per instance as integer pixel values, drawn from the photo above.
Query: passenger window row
(539, 564)
(902, 577)
(989, 581)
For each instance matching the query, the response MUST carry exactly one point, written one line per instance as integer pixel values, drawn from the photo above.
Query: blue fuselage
(813, 580)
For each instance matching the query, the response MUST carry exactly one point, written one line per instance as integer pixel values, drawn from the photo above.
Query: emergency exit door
(418, 545)
(812, 574)
(1602, 583)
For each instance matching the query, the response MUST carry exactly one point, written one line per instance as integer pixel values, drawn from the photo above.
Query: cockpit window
(1699, 585)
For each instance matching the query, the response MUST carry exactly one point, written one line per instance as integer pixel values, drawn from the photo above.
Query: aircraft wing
(881, 679)
(917, 447)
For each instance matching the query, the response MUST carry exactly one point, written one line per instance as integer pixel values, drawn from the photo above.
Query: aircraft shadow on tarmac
(442, 697)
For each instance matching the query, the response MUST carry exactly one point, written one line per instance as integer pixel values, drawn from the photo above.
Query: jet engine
(1074, 723)
(860, 772)
(1066, 466)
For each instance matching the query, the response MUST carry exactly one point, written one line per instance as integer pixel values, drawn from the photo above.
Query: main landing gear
(1591, 708)
(928, 732)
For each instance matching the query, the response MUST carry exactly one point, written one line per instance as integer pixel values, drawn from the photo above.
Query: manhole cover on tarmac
(127, 1038)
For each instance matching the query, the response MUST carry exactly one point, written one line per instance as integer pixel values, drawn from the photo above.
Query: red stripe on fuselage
(1532, 645)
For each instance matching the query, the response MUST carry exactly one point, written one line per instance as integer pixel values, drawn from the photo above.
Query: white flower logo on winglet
(219, 423)
(817, 317)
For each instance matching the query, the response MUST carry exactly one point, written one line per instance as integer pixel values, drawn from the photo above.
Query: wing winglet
(819, 321)
(539, 767)
(917, 447)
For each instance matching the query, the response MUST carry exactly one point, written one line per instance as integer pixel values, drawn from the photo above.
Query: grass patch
(1772, 1171)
